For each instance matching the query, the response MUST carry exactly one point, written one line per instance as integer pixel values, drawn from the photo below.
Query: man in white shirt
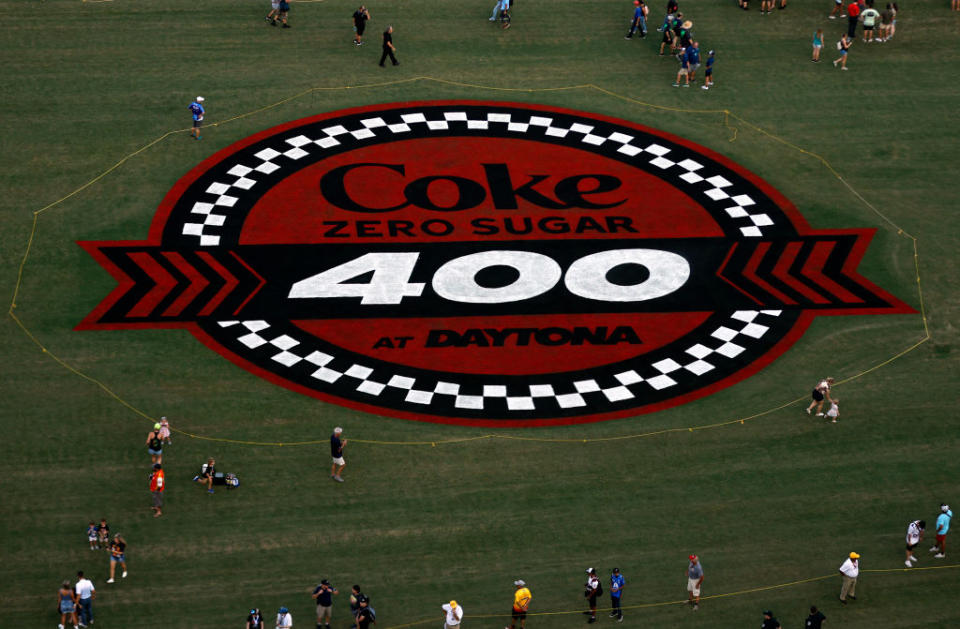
(85, 593)
(850, 569)
(284, 619)
(591, 591)
(454, 615)
(914, 536)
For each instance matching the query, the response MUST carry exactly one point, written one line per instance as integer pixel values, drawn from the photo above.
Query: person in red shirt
(853, 15)
(156, 489)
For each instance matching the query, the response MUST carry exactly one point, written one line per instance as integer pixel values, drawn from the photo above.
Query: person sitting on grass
(206, 475)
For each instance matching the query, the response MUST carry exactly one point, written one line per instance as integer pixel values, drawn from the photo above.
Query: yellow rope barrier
(589, 86)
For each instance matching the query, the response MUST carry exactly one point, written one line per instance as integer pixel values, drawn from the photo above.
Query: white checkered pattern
(741, 327)
(222, 196)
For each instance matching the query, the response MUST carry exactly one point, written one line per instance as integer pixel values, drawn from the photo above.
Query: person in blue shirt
(639, 22)
(684, 69)
(708, 74)
(693, 60)
(196, 108)
(943, 525)
(616, 590)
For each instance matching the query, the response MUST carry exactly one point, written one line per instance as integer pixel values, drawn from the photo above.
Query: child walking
(843, 46)
(708, 73)
(165, 430)
(92, 536)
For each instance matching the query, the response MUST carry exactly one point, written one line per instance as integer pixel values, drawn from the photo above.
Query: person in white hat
(196, 108)
(454, 615)
(521, 603)
(591, 590)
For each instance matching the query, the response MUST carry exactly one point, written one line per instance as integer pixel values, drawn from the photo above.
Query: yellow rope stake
(726, 122)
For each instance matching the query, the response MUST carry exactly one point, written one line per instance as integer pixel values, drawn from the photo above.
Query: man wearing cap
(943, 525)
(336, 451)
(365, 614)
(850, 569)
(616, 590)
(284, 619)
(156, 490)
(639, 22)
(454, 614)
(769, 622)
(694, 581)
(521, 602)
(196, 108)
(592, 590)
(323, 594)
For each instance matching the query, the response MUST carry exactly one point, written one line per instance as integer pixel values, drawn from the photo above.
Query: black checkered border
(215, 203)
(445, 395)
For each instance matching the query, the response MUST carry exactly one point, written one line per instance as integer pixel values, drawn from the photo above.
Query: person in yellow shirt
(521, 601)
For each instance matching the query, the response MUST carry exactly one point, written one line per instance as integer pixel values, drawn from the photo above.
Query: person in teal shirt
(817, 45)
(943, 525)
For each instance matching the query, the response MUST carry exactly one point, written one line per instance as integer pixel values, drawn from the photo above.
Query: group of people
(878, 26)
(678, 38)
(361, 611)
(916, 529)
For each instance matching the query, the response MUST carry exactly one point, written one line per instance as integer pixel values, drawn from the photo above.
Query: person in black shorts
(360, 17)
(284, 9)
(207, 473)
(388, 47)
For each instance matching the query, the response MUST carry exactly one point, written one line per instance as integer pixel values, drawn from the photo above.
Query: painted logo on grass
(484, 263)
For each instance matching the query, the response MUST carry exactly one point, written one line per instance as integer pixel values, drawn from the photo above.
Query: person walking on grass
(336, 451)
(616, 591)
(521, 603)
(156, 489)
(154, 442)
(639, 21)
(708, 73)
(452, 615)
(85, 594)
(822, 390)
(833, 413)
(197, 111)
(165, 431)
(67, 602)
(274, 12)
(850, 569)
(118, 555)
(284, 11)
(92, 535)
(914, 536)
(943, 525)
(360, 17)
(837, 9)
(693, 61)
(843, 46)
(388, 47)
(817, 45)
(694, 581)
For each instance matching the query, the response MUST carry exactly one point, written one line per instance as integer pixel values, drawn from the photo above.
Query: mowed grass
(779, 499)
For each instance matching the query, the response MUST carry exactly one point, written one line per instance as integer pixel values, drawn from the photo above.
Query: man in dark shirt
(360, 17)
(388, 47)
(255, 619)
(336, 451)
(323, 594)
(769, 622)
(207, 473)
(355, 597)
(815, 619)
(365, 615)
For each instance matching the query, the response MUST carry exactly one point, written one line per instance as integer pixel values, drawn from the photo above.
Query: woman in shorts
(817, 45)
(118, 550)
(843, 46)
(820, 392)
(155, 444)
(67, 599)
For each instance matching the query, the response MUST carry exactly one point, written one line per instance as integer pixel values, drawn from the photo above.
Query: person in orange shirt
(156, 489)
(521, 601)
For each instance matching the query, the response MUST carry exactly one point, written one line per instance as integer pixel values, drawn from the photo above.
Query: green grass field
(780, 499)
